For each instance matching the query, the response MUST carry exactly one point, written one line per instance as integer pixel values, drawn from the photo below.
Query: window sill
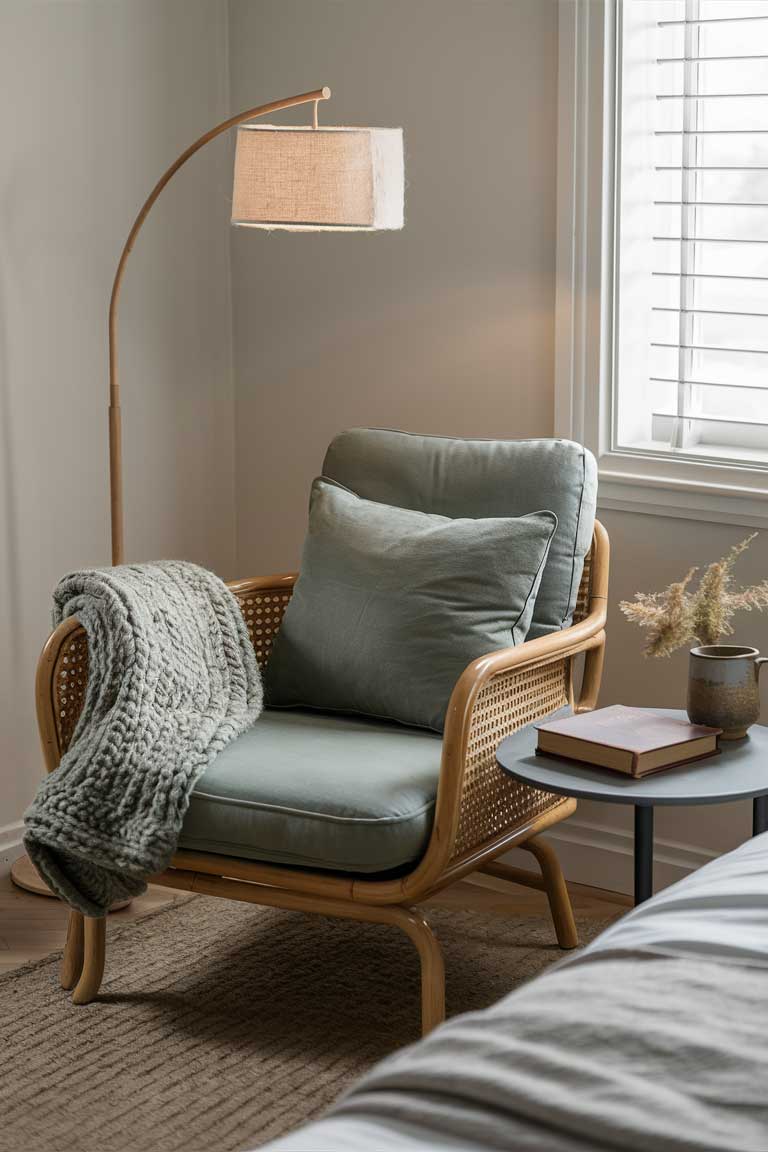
(690, 490)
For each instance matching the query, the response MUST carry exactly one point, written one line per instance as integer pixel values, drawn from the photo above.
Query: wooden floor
(32, 926)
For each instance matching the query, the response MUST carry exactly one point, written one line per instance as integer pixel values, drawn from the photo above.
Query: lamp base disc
(25, 875)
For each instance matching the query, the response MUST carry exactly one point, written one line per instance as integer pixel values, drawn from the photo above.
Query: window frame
(584, 305)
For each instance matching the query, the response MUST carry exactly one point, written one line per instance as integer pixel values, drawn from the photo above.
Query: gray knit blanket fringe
(172, 679)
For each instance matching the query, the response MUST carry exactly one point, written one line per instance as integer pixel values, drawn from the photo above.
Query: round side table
(740, 772)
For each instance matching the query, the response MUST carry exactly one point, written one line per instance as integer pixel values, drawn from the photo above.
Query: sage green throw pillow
(392, 604)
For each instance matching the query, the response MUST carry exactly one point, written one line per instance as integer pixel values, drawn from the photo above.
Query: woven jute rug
(222, 1025)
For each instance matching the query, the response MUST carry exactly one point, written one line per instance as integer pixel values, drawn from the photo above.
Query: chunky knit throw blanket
(172, 679)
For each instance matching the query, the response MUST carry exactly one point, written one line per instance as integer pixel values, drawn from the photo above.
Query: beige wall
(446, 327)
(98, 98)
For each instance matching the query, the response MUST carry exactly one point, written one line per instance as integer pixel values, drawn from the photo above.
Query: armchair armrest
(62, 670)
(478, 804)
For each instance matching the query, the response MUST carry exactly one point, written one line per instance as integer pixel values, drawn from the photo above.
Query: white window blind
(691, 240)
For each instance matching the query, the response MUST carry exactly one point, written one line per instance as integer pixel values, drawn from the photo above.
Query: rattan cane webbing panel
(70, 679)
(585, 588)
(263, 613)
(492, 802)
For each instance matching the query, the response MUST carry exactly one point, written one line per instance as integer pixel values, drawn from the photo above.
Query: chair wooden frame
(480, 811)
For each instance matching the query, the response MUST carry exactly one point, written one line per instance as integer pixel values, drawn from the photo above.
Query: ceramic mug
(723, 689)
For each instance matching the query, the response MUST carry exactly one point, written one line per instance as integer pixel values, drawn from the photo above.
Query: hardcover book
(635, 741)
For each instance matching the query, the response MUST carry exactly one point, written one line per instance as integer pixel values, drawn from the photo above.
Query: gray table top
(739, 772)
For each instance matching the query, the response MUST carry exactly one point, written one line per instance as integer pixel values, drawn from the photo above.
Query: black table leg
(759, 815)
(643, 852)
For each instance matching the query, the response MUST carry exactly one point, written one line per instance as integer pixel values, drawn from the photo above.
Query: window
(690, 244)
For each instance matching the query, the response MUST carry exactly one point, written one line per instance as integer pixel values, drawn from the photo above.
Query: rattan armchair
(480, 811)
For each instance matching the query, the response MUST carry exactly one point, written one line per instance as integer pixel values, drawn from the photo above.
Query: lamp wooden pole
(115, 434)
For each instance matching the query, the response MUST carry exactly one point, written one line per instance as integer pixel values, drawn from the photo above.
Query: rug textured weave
(222, 1025)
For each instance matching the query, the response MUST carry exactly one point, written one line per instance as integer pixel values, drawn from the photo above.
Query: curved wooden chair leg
(72, 960)
(557, 891)
(93, 960)
(432, 966)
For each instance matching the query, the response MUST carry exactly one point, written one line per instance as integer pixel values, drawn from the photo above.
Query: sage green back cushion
(392, 604)
(456, 477)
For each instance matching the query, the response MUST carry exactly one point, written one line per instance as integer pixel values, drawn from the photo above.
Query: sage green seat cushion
(391, 605)
(456, 477)
(330, 792)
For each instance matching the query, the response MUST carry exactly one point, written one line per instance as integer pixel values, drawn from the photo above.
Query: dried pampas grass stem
(679, 615)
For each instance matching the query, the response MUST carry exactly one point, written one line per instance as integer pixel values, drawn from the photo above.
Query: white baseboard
(603, 857)
(11, 845)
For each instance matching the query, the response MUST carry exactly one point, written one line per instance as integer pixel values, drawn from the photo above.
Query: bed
(653, 1038)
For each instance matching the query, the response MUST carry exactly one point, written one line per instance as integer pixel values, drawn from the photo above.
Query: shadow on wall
(425, 363)
(10, 612)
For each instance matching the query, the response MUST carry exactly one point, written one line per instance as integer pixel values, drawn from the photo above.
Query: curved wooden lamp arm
(115, 447)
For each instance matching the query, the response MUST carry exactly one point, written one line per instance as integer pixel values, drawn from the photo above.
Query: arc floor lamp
(297, 178)
(301, 179)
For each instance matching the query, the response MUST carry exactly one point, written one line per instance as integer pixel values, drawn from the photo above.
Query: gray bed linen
(720, 911)
(653, 1039)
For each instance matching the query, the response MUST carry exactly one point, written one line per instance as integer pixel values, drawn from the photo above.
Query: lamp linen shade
(316, 179)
